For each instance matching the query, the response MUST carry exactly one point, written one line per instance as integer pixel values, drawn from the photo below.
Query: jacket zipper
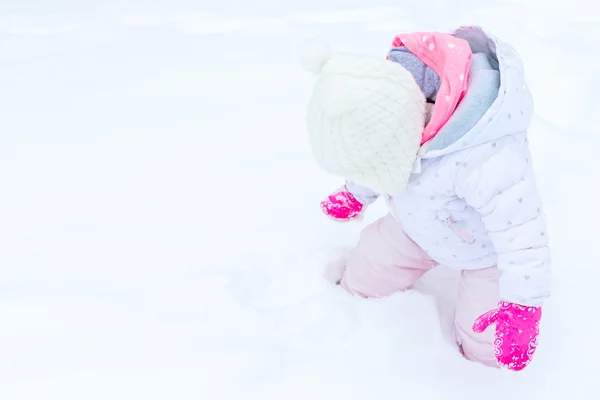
(449, 221)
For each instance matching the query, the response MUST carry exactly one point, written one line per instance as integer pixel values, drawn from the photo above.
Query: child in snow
(458, 183)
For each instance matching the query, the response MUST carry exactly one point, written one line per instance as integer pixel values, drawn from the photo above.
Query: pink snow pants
(386, 260)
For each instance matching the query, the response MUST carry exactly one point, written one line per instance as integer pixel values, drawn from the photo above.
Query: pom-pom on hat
(365, 117)
(314, 54)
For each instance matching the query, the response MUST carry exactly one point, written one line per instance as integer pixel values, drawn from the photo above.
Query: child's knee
(384, 261)
(367, 275)
(478, 293)
(476, 347)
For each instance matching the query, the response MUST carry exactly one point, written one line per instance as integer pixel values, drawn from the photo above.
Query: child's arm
(498, 181)
(502, 188)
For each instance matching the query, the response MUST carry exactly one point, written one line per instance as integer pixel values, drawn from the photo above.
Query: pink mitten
(342, 205)
(517, 329)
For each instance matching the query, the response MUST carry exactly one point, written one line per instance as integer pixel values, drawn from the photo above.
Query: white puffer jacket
(474, 204)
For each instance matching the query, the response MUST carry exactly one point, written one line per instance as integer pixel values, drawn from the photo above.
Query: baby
(439, 130)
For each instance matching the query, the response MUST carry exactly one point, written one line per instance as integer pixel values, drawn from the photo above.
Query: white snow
(160, 235)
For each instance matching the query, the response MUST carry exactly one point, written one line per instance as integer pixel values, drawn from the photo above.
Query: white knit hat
(365, 117)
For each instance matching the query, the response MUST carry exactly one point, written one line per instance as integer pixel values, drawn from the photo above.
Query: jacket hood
(511, 108)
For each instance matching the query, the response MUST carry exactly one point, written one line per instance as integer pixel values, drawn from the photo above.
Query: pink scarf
(450, 58)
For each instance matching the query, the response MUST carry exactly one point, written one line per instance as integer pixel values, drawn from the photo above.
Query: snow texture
(160, 230)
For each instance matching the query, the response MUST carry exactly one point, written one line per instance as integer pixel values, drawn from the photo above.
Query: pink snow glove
(517, 330)
(341, 205)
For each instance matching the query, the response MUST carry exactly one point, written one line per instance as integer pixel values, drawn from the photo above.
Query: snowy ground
(160, 236)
